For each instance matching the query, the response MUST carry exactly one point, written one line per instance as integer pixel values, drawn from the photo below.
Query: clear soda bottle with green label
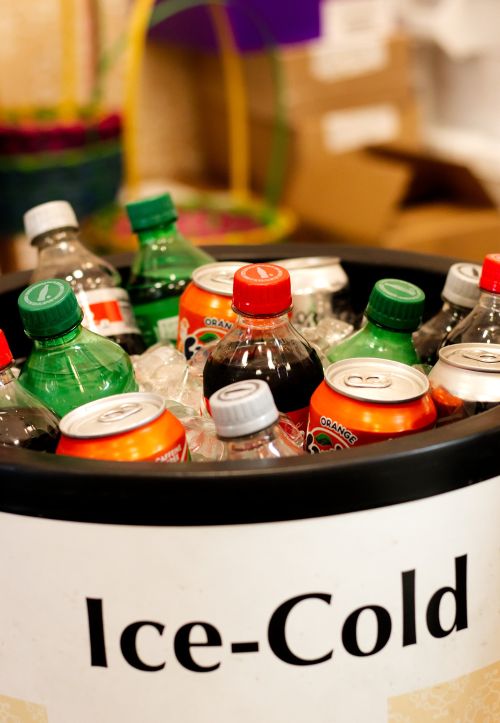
(68, 365)
(161, 269)
(394, 311)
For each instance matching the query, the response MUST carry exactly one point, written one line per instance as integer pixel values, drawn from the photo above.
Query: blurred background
(368, 122)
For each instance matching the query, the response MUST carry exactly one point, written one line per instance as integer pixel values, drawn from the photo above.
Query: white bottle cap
(47, 217)
(462, 285)
(243, 408)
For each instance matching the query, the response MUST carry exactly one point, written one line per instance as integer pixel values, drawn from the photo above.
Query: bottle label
(299, 417)
(166, 329)
(107, 311)
(158, 320)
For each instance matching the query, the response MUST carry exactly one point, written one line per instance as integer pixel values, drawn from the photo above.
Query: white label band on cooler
(374, 616)
(107, 311)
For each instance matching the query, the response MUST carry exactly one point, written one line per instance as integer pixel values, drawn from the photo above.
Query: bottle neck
(451, 308)
(263, 322)
(164, 233)
(65, 338)
(7, 375)
(376, 329)
(57, 237)
(249, 442)
(489, 300)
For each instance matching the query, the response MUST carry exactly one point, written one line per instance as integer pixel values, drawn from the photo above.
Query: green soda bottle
(394, 311)
(68, 365)
(161, 269)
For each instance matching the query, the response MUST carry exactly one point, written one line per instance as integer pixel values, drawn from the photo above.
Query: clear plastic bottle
(161, 269)
(24, 421)
(53, 228)
(460, 294)
(263, 344)
(68, 365)
(247, 422)
(394, 311)
(482, 324)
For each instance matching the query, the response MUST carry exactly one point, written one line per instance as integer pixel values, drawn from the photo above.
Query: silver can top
(217, 278)
(376, 380)
(112, 415)
(474, 357)
(313, 273)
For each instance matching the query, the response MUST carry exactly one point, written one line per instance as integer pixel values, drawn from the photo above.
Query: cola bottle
(460, 294)
(24, 420)
(263, 344)
(482, 324)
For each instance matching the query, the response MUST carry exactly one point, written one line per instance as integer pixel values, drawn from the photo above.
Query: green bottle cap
(151, 212)
(396, 304)
(49, 308)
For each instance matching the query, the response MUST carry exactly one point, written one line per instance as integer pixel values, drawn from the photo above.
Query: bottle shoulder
(373, 341)
(481, 325)
(85, 347)
(281, 342)
(267, 444)
(169, 255)
(68, 258)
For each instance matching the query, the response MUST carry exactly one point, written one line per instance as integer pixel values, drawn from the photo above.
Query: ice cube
(203, 443)
(161, 369)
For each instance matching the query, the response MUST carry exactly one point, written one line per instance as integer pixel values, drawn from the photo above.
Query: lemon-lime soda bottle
(161, 269)
(394, 311)
(68, 365)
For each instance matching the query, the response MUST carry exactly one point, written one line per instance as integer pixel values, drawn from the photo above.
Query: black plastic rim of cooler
(387, 473)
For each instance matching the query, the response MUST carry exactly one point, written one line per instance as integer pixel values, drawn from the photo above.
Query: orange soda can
(205, 310)
(133, 427)
(368, 400)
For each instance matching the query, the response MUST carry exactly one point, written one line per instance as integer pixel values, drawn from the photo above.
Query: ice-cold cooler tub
(354, 587)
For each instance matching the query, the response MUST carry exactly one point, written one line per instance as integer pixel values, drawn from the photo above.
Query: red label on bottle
(106, 310)
(299, 417)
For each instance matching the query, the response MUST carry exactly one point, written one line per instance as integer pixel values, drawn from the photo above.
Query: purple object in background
(285, 21)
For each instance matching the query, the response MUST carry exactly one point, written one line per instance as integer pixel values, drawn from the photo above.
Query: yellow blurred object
(270, 223)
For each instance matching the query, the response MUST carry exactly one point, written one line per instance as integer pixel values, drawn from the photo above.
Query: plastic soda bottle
(247, 422)
(263, 344)
(24, 420)
(53, 228)
(394, 311)
(482, 324)
(161, 269)
(460, 295)
(68, 365)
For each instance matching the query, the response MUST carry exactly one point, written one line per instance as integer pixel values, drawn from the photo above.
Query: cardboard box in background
(400, 199)
(311, 138)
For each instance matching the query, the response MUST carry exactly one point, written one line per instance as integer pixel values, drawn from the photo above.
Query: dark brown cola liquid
(28, 428)
(131, 343)
(292, 370)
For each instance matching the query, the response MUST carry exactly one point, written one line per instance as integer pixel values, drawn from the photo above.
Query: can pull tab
(486, 357)
(371, 381)
(223, 277)
(119, 413)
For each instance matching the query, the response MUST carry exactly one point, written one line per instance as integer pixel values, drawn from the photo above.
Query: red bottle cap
(490, 275)
(5, 352)
(262, 289)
